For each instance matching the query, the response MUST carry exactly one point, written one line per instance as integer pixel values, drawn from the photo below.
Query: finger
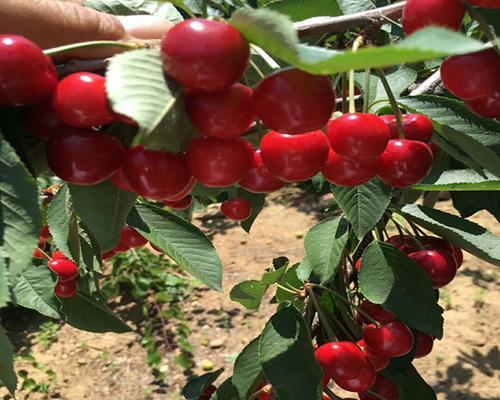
(145, 26)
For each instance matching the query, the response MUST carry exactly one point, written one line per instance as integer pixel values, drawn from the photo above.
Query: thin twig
(428, 86)
(321, 315)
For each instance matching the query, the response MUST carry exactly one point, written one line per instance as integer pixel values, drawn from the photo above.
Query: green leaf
(324, 245)
(247, 369)
(92, 315)
(257, 201)
(290, 279)
(458, 180)
(286, 342)
(137, 87)
(469, 203)
(195, 387)
(134, 7)
(363, 205)
(4, 284)
(354, 6)
(7, 373)
(391, 278)
(103, 209)
(226, 391)
(275, 33)
(249, 294)
(181, 240)
(35, 290)
(299, 10)
(20, 217)
(413, 387)
(465, 234)
(477, 137)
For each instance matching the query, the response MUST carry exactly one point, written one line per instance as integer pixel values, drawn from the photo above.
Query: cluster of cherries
(472, 77)
(129, 239)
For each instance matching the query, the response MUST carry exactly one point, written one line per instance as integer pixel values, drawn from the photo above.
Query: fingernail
(145, 26)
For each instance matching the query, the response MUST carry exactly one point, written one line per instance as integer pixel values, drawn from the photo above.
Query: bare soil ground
(463, 366)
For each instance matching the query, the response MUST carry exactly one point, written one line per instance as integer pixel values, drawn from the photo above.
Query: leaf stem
(392, 100)
(55, 51)
(44, 253)
(319, 310)
(295, 292)
(352, 102)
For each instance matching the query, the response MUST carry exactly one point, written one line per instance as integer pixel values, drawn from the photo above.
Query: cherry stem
(352, 101)
(378, 396)
(483, 24)
(257, 394)
(366, 90)
(295, 292)
(257, 69)
(392, 100)
(44, 253)
(330, 394)
(344, 85)
(319, 310)
(98, 43)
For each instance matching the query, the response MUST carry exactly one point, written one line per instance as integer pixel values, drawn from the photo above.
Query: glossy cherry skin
(439, 265)
(219, 163)
(486, 3)
(384, 387)
(357, 266)
(379, 362)
(184, 192)
(224, 114)
(156, 174)
(58, 254)
(361, 383)
(182, 204)
(425, 343)
(65, 269)
(131, 238)
(341, 360)
(237, 209)
(121, 181)
(390, 340)
(377, 312)
(405, 162)
(80, 100)
(66, 290)
(343, 171)
(83, 156)
(259, 179)
(358, 136)
(294, 158)
(205, 54)
(415, 127)
(418, 14)
(472, 76)
(293, 101)
(435, 243)
(27, 76)
(41, 121)
(488, 107)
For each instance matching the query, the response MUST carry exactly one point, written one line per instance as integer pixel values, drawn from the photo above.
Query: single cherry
(341, 360)
(405, 162)
(488, 106)
(343, 171)
(65, 269)
(39, 251)
(121, 248)
(415, 127)
(293, 101)
(219, 163)
(486, 3)
(184, 192)
(156, 174)
(259, 179)
(58, 254)
(294, 158)
(224, 114)
(384, 388)
(121, 181)
(440, 265)
(80, 100)
(390, 340)
(237, 209)
(358, 136)
(131, 238)
(27, 76)
(425, 343)
(361, 383)
(205, 54)
(66, 289)
(418, 14)
(435, 243)
(379, 362)
(181, 204)
(84, 157)
(377, 312)
(41, 120)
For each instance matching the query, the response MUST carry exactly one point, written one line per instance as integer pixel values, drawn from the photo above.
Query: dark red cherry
(405, 243)
(361, 383)
(131, 238)
(425, 343)
(237, 209)
(184, 192)
(27, 76)
(207, 394)
(418, 14)
(224, 114)
(120, 180)
(384, 388)
(205, 54)
(405, 162)
(343, 171)
(415, 127)
(66, 289)
(65, 269)
(358, 136)
(108, 254)
(156, 174)
(219, 163)
(181, 204)
(259, 179)
(377, 312)
(341, 360)
(486, 3)
(294, 158)
(488, 106)
(440, 265)
(41, 121)
(83, 156)
(435, 243)
(379, 362)
(390, 340)
(121, 248)
(45, 232)
(471, 76)
(80, 100)
(268, 392)
(293, 101)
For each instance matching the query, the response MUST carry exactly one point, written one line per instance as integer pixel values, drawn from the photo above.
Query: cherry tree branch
(428, 86)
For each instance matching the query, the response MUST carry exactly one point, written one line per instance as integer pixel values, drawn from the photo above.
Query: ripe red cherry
(27, 75)
(108, 254)
(405, 162)
(294, 158)
(415, 127)
(357, 266)
(65, 269)
(209, 391)
(418, 14)
(377, 312)
(184, 192)
(224, 114)
(358, 136)
(361, 383)
(131, 238)
(439, 265)
(80, 100)
(473, 75)
(58, 254)
(425, 343)
(379, 362)
(343, 171)
(486, 3)
(435, 243)
(341, 360)
(156, 174)
(45, 232)
(488, 106)
(405, 243)
(293, 101)
(67, 289)
(41, 120)
(42, 244)
(205, 54)
(237, 209)
(120, 180)
(84, 157)
(181, 204)
(268, 395)
(384, 387)
(259, 179)
(121, 248)
(390, 340)
(219, 163)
